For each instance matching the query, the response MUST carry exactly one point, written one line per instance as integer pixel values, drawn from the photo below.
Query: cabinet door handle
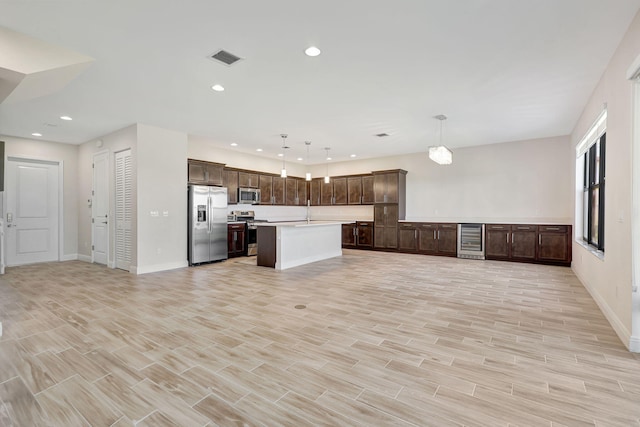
(438, 234)
(385, 210)
(434, 234)
(553, 228)
(507, 237)
(539, 239)
(512, 236)
(415, 234)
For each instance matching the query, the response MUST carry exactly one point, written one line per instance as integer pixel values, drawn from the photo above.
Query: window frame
(594, 180)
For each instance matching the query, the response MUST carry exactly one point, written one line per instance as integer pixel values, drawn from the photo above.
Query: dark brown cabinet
(339, 191)
(205, 173)
(389, 186)
(295, 192)
(326, 193)
(385, 218)
(278, 190)
(354, 190)
(266, 189)
(367, 190)
(511, 242)
(360, 190)
(554, 244)
(523, 242)
(358, 235)
(315, 191)
(236, 239)
(547, 244)
(248, 179)
(231, 182)
(271, 190)
(428, 238)
(364, 234)
(349, 238)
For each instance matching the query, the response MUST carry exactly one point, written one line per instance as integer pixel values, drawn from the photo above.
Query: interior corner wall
(609, 280)
(68, 154)
(161, 199)
(112, 143)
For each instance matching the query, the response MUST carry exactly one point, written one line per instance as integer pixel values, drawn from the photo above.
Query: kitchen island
(283, 245)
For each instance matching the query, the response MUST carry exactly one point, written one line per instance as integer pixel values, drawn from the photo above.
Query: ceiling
(501, 70)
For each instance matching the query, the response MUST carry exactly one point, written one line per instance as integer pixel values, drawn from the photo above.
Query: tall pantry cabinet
(389, 193)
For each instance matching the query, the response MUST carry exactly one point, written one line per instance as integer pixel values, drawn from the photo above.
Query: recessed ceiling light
(328, 158)
(258, 149)
(66, 118)
(299, 159)
(234, 144)
(382, 135)
(312, 51)
(217, 88)
(353, 155)
(280, 154)
(36, 134)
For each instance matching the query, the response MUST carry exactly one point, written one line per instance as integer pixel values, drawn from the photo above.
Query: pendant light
(307, 176)
(441, 154)
(283, 172)
(326, 177)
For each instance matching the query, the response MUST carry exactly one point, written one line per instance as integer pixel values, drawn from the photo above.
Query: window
(593, 192)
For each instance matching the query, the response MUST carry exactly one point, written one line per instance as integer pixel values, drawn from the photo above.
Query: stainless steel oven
(252, 231)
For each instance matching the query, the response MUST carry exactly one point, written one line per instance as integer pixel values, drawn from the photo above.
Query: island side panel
(266, 237)
(305, 244)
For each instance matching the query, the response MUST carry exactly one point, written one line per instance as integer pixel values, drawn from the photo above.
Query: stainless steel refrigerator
(207, 224)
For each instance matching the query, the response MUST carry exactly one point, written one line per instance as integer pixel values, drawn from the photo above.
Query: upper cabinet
(366, 189)
(389, 186)
(368, 197)
(205, 173)
(315, 190)
(231, 182)
(295, 192)
(248, 179)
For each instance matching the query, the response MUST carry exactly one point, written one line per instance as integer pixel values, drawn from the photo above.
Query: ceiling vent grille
(225, 57)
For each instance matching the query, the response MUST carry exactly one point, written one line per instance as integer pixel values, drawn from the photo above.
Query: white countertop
(301, 223)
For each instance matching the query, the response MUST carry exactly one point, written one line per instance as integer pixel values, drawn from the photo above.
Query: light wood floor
(385, 339)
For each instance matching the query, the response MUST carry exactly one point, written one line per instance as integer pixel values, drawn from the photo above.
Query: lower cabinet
(428, 238)
(546, 244)
(236, 238)
(554, 243)
(385, 217)
(349, 235)
(358, 235)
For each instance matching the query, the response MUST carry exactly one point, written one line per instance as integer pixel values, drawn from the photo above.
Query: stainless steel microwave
(249, 196)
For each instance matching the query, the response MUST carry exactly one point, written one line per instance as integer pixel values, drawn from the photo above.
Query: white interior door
(123, 209)
(100, 209)
(32, 211)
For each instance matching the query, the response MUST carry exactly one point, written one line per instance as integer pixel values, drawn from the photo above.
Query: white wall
(162, 189)
(68, 155)
(114, 142)
(609, 279)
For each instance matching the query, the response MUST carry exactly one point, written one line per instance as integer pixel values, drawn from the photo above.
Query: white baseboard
(85, 258)
(623, 333)
(69, 257)
(158, 267)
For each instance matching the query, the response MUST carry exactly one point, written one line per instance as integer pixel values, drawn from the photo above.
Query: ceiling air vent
(382, 135)
(225, 57)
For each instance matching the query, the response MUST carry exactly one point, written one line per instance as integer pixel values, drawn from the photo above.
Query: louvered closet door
(124, 209)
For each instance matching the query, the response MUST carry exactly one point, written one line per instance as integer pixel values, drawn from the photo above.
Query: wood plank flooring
(385, 339)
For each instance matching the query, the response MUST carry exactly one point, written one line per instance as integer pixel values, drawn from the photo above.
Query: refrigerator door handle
(209, 212)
